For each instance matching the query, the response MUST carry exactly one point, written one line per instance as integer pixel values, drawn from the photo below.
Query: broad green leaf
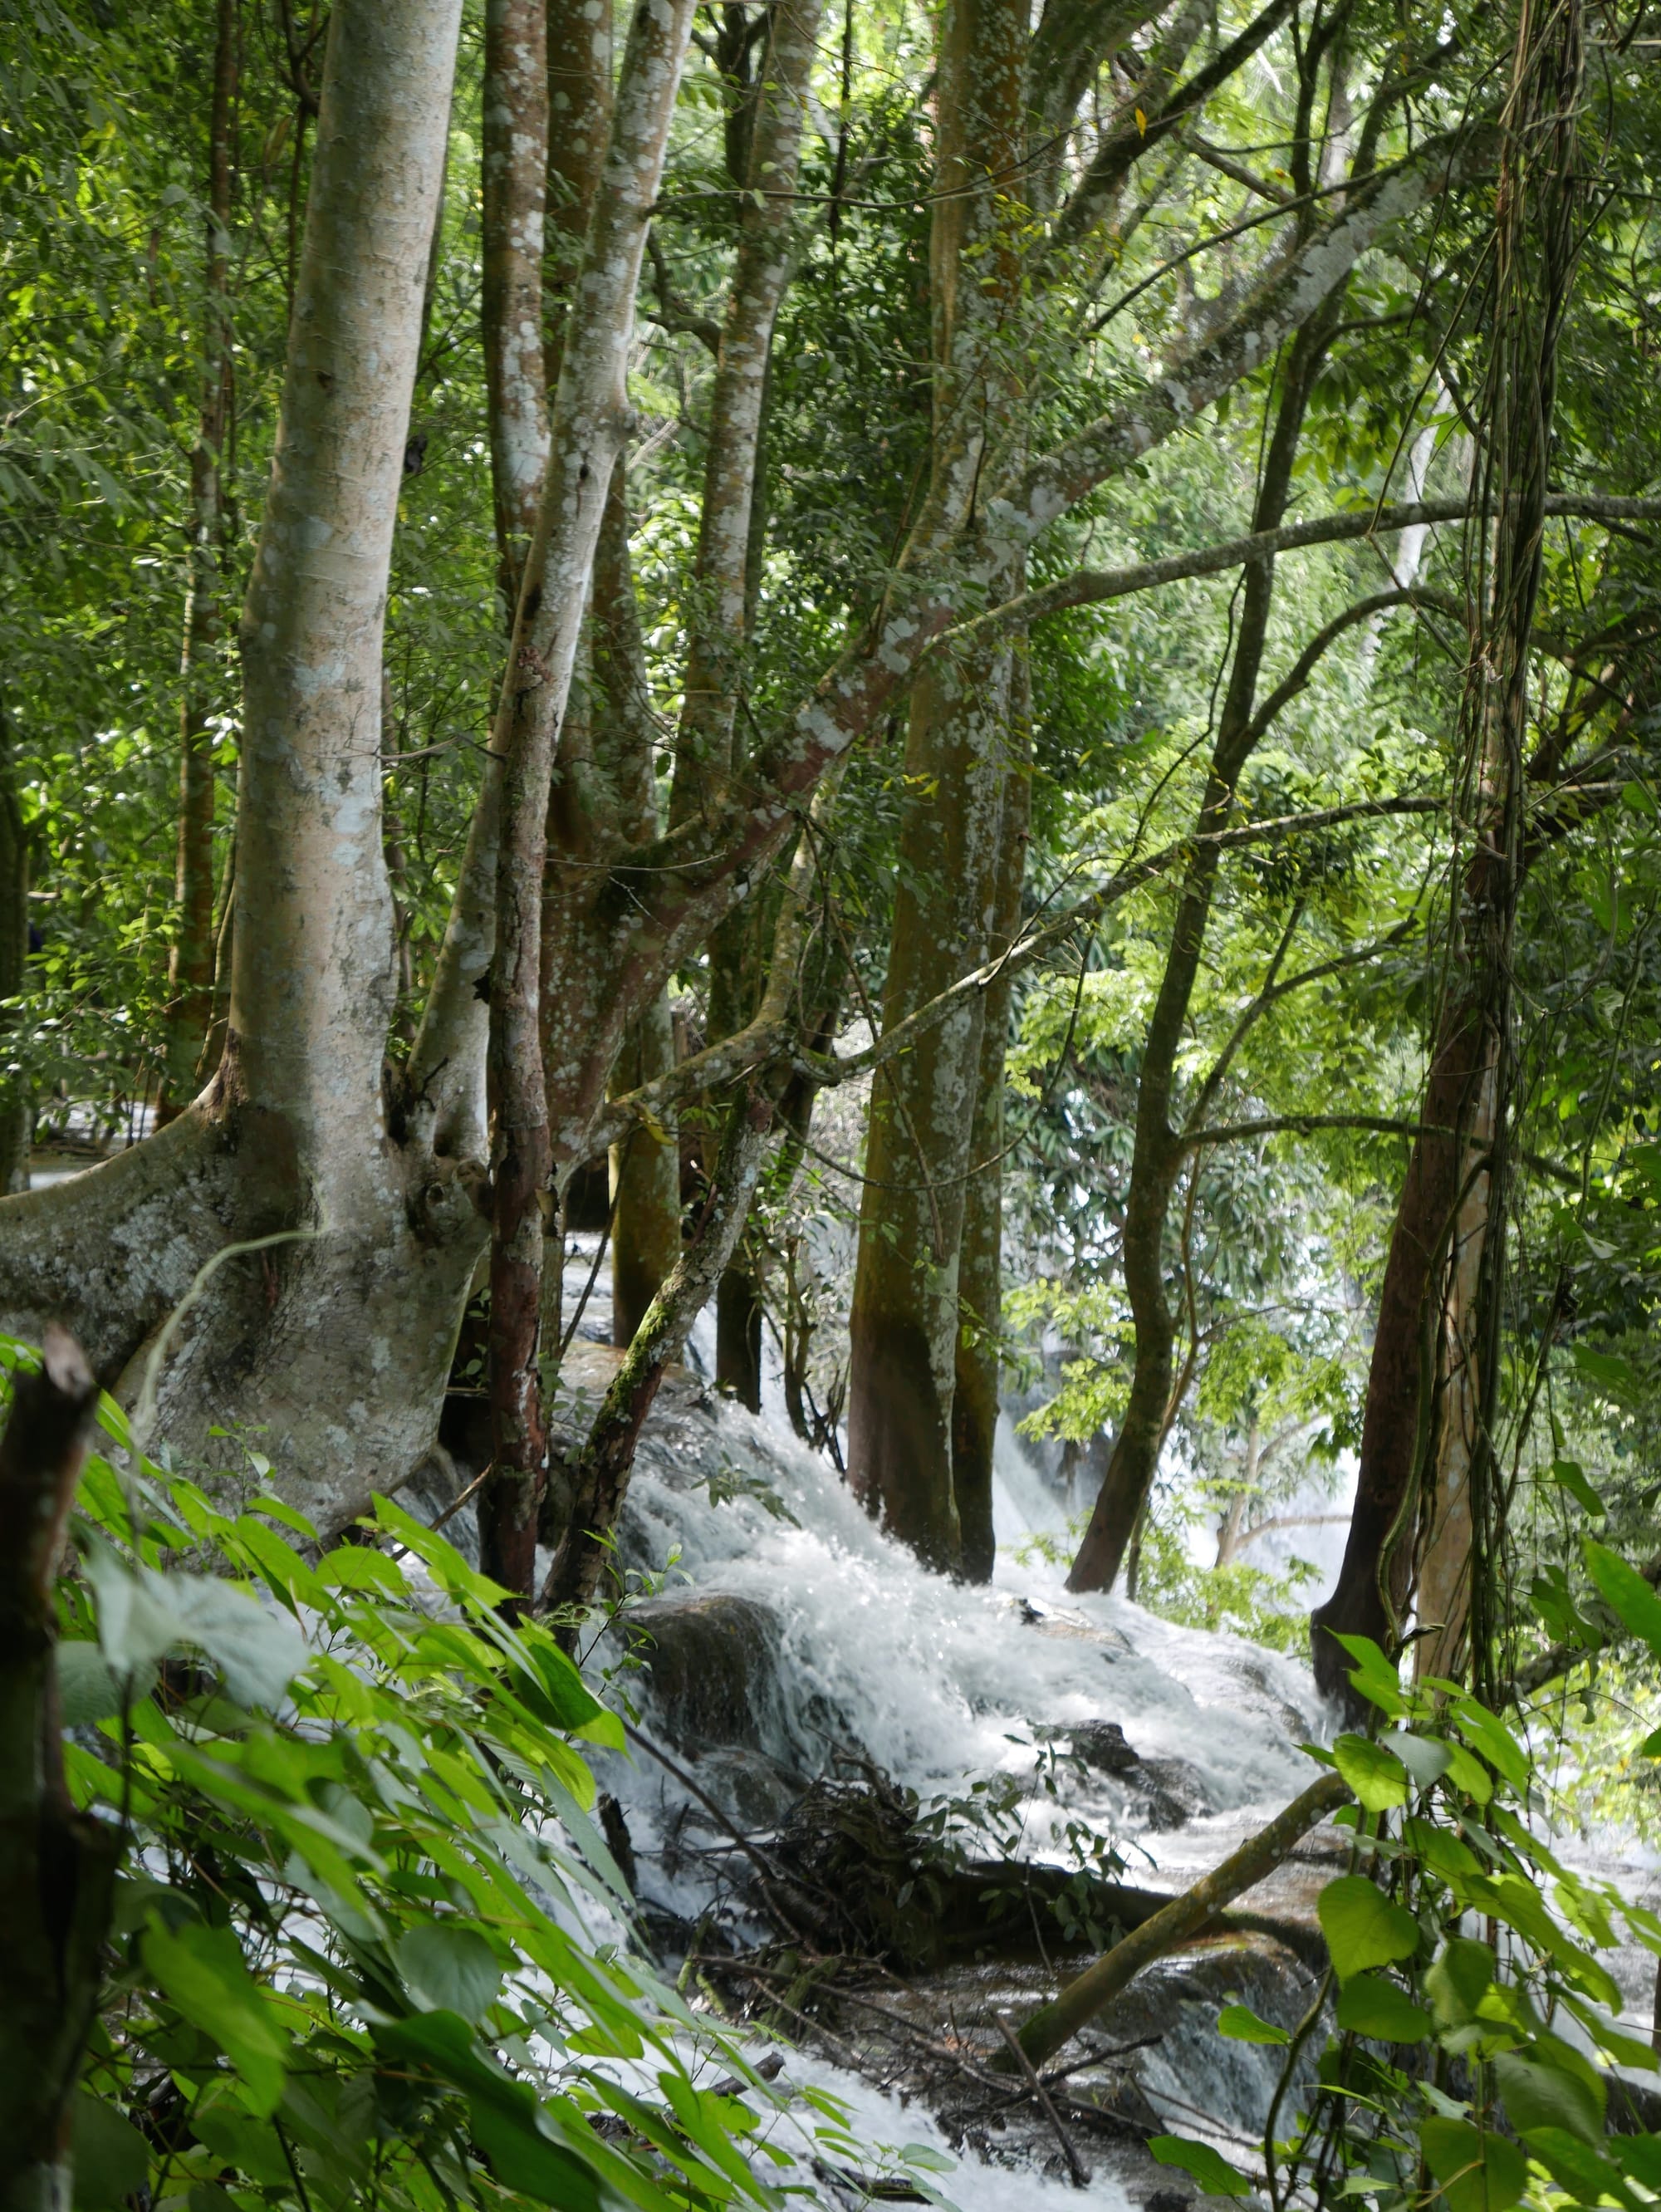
(1627, 1594)
(1538, 2094)
(86, 1691)
(447, 1968)
(1479, 2171)
(1489, 1734)
(1362, 1928)
(111, 2158)
(1651, 1747)
(1427, 1759)
(1373, 1675)
(1208, 2167)
(1377, 1776)
(1458, 1979)
(1575, 2167)
(204, 1973)
(1370, 2006)
(1241, 2025)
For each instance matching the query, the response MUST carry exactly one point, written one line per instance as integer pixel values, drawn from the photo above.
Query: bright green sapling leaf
(1208, 2166)
(1241, 2025)
(1368, 2005)
(1479, 2171)
(1377, 1776)
(1362, 1928)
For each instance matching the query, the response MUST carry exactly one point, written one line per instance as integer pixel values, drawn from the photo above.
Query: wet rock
(1101, 1744)
(756, 1793)
(711, 1660)
(1171, 1790)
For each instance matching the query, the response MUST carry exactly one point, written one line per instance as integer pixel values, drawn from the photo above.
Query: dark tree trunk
(57, 1869)
(16, 1107)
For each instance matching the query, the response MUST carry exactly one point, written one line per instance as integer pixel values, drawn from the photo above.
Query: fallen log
(1183, 1919)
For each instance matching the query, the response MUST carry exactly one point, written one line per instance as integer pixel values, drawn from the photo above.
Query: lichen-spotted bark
(904, 1323)
(722, 587)
(514, 166)
(590, 421)
(191, 962)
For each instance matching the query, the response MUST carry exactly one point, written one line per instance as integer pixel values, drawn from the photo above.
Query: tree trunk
(1438, 1313)
(645, 1183)
(600, 1477)
(16, 1106)
(56, 1868)
(513, 167)
(980, 1262)
(591, 420)
(1160, 1151)
(904, 1323)
(579, 41)
(191, 965)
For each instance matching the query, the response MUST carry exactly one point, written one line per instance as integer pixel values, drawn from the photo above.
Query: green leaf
(1479, 2172)
(1215, 2176)
(1427, 1759)
(142, 1615)
(505, 2113)
(1651, 1747)
(1488, 1734)
(1369, 2006)
(86, 1691)
(1625, 1593)
(1457, 1981)
(1373, 1675)
(111, 2158)
(1241, 2025)
(1538, 2094)
(204, 1973)
(1362, 1928)
(1377, 1776)
(1573, 2166)
(446, 1967)
(1617, 1378)
(1569, 1475)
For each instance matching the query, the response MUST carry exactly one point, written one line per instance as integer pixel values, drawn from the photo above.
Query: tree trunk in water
(903, 1327)
(514, 166)
(56, 1868)
(591, 419)
(1159, 1150)
(1432, 1382)
(980, 1262)
(191, 965)
(16, 1107)
(600, 1477)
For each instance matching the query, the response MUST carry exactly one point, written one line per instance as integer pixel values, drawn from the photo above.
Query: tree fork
(590, 420)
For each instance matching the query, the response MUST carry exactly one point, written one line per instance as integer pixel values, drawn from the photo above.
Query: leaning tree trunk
(903, 1326)
(190, 966)
(590, 420)
(1159, 1150)
(1427, 1451)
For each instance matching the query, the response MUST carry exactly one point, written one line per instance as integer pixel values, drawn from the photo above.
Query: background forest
(977, 689)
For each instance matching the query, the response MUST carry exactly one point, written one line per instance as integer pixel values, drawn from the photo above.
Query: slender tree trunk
(591, 420)
(1440, 1307)
(600, 1477)
(514, 166)
(904, 1323)
(579, 58)
(1159, 1150)
(191, 965)
(56, 1868)
(645, 1183)
(16, 1107)
(980, 1263)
